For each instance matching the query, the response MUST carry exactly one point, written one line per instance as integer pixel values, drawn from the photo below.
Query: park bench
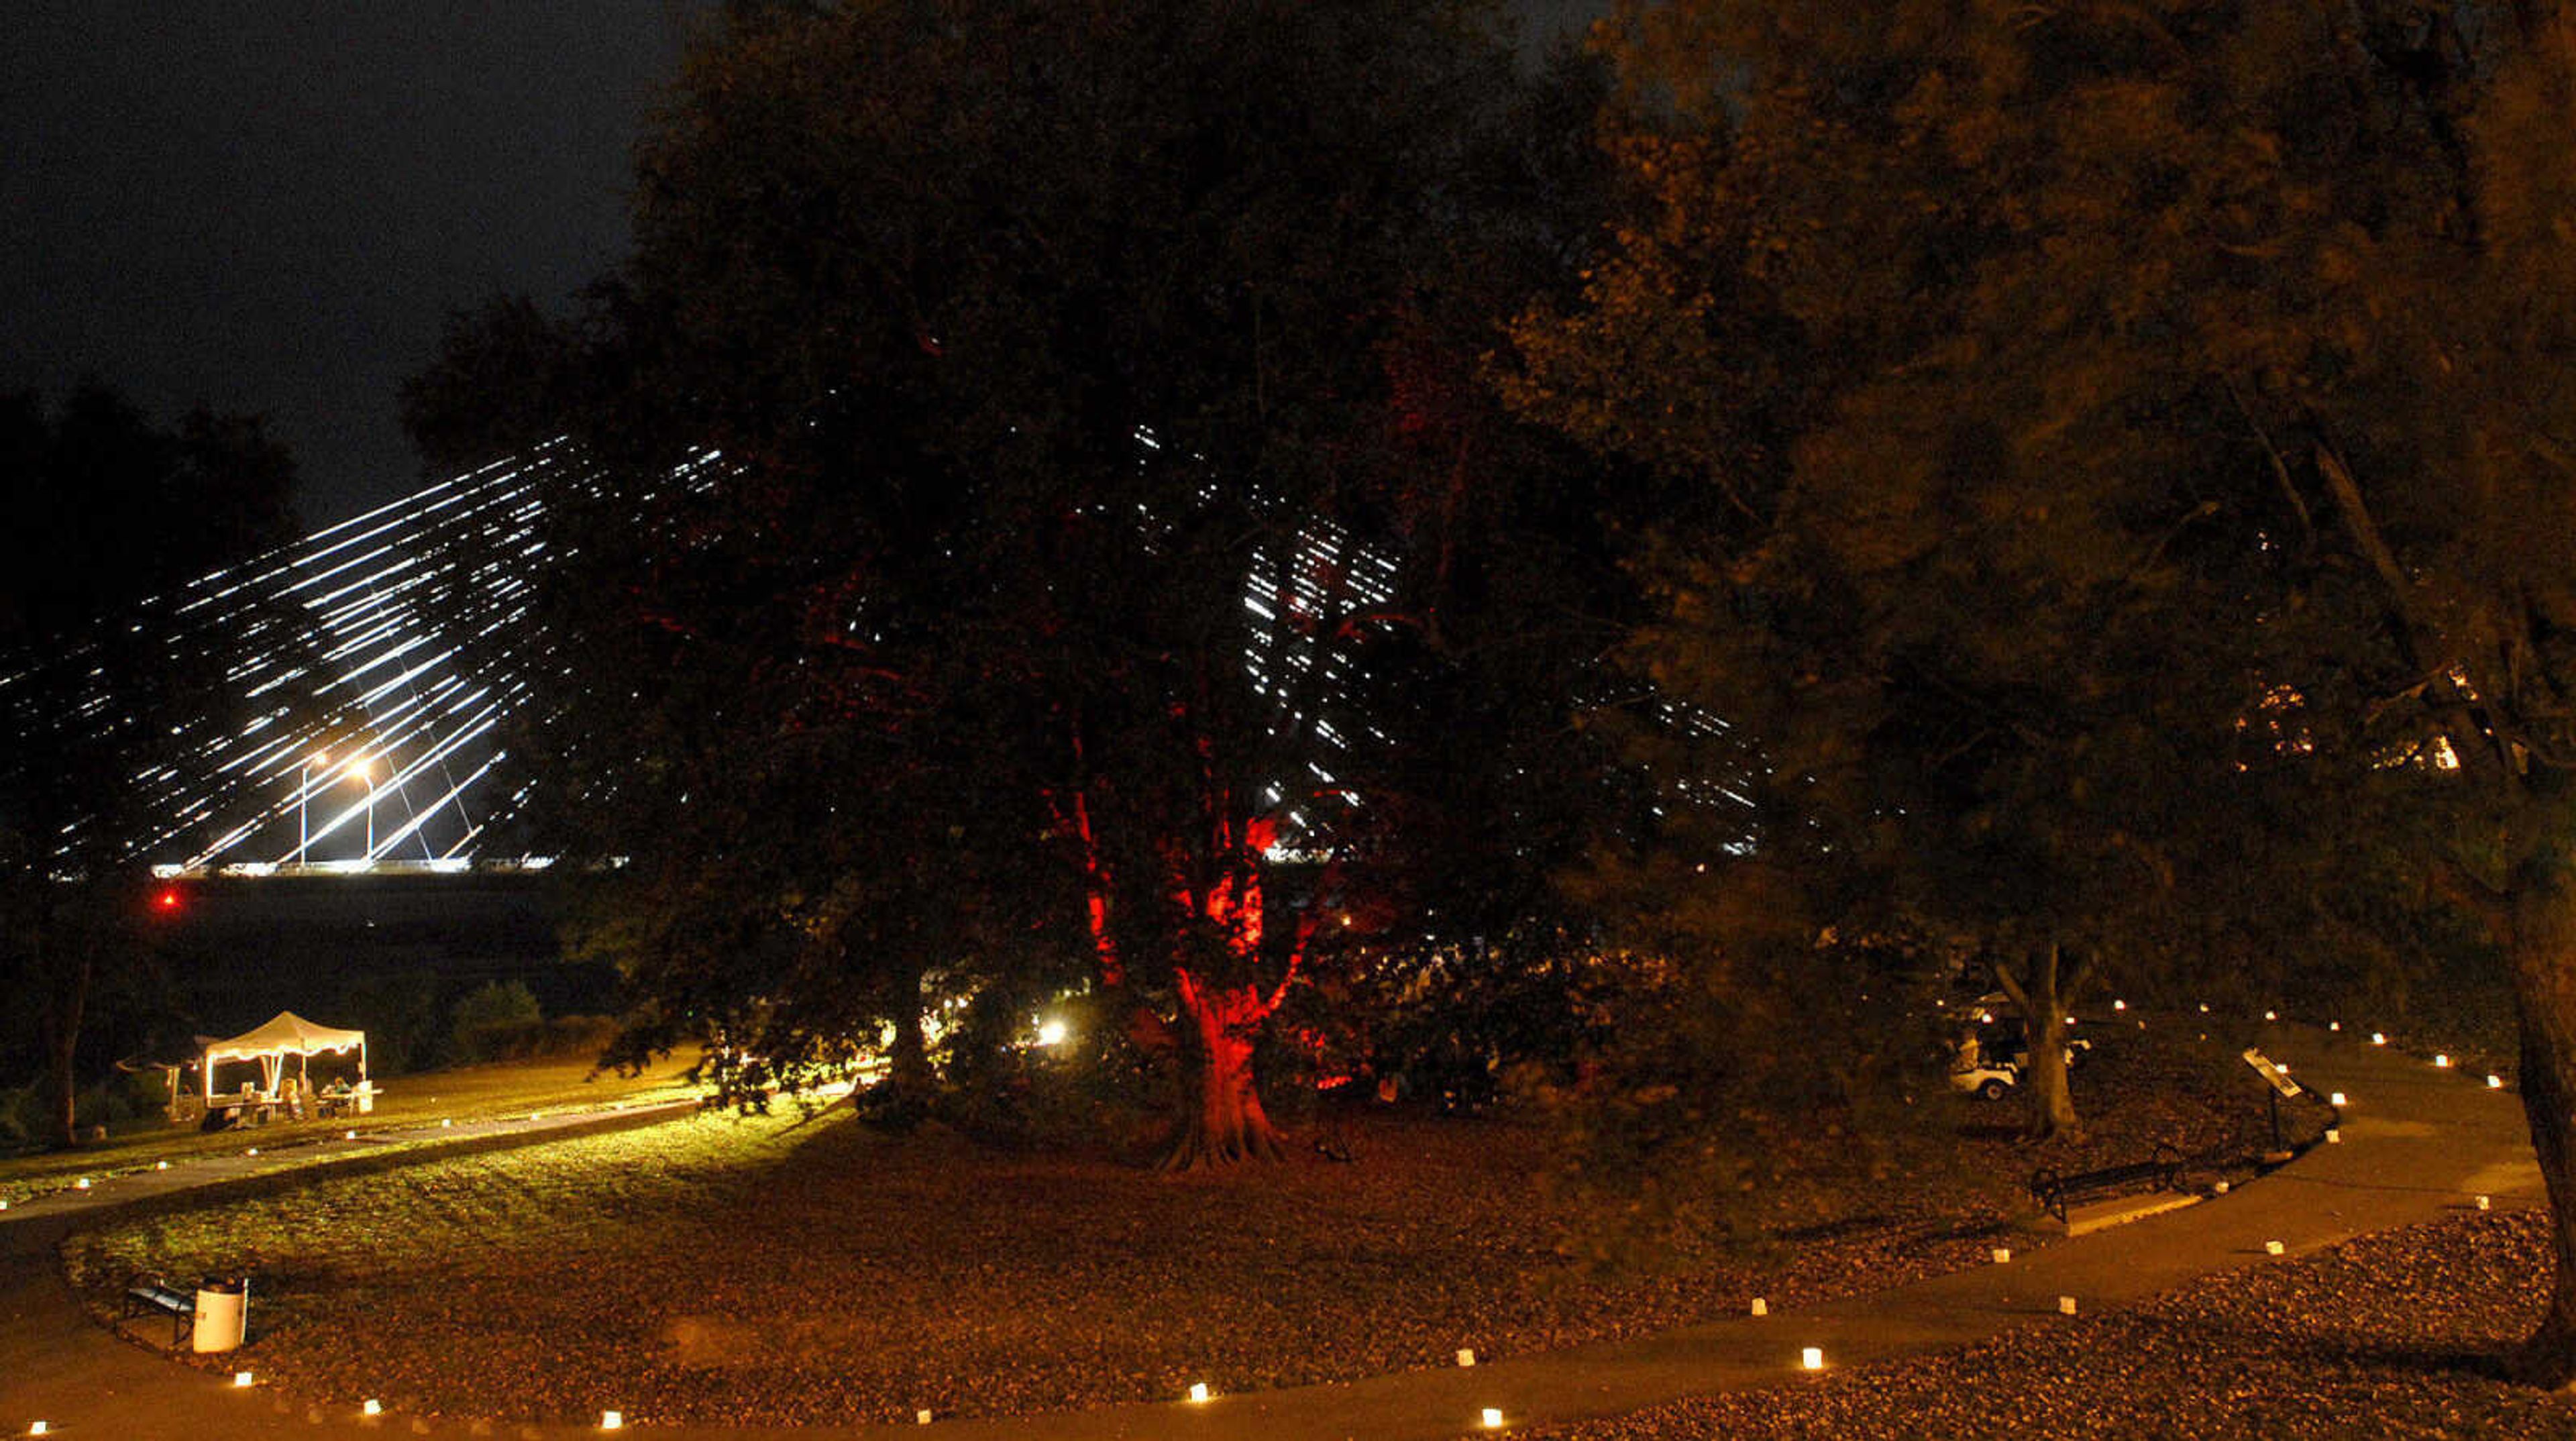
(2054, 1191)
(147, 1294)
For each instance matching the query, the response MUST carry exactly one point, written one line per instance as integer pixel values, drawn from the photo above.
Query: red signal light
(168, 900)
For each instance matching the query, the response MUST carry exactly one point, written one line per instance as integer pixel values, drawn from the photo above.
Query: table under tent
(279, 1090)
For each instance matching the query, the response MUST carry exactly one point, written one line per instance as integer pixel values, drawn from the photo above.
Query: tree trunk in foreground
(2043, 1001)
(1222, 1120)
(66, 1094)
(909, 1061)
(70, 996)
(2543, 956)
(2052, 1095)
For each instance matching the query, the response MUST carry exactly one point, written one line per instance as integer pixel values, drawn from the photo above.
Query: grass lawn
(781, 1270)
(2390, 1336)
(516, 1088)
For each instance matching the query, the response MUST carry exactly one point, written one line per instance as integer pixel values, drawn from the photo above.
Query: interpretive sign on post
(2278, 1079)
(2282, 1088)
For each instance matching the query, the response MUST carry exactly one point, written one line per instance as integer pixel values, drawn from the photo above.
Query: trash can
(223, 1313)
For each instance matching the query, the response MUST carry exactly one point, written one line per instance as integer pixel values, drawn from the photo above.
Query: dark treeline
(102, 687)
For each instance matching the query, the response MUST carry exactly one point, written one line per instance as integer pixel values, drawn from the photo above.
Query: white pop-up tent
(286, 1034)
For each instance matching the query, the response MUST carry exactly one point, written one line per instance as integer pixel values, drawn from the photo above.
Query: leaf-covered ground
(776, 1270)
(2394, 1336)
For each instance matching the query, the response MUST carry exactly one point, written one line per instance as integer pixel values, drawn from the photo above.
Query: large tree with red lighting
(1036, 346)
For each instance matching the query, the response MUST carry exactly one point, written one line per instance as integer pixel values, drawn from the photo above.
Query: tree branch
(2012, 986)
(2374, 549)
(2426, 647)
(2280, 467)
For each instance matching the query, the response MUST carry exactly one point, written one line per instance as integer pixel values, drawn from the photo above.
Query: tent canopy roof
(286, 1034)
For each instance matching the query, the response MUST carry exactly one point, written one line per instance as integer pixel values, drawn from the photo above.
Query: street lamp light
(363, 767)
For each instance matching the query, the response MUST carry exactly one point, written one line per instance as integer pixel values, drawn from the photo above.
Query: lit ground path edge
(2417, 1142)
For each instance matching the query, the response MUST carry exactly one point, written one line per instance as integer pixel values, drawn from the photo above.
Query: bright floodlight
(1198, 1391)
(1051, 1033)
(1812, 1359)
(241, 1378)
(2442, 1061)
(1493, 1418)
(372, 1407)
(2495, 1083)
(612, 1420)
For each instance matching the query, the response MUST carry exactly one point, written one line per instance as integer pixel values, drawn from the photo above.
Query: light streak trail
(353, 642)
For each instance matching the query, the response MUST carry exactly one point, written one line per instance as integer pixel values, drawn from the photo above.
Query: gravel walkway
(2416, 1143)
(2396, 1335)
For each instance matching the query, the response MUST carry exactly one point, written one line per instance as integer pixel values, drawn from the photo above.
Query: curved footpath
(2417, 1142)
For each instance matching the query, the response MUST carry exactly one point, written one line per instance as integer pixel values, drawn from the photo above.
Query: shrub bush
(496, 1021)
(22, 1118)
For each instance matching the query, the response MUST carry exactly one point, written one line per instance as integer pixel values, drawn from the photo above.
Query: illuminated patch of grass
(532, 1208)
(467, 1094)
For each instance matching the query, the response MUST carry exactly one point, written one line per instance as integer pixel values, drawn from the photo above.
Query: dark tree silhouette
(104, 685)
(1030, 345)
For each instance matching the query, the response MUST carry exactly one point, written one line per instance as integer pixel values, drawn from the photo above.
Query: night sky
(268, 205)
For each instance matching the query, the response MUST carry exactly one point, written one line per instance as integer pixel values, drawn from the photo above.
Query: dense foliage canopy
(1016, 425)
(2139, 425)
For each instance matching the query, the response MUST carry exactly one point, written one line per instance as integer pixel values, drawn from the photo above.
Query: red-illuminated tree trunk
(1220, 1117)
(1223, 1122)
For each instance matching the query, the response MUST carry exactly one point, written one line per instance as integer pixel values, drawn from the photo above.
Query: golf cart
(1993, 1051)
